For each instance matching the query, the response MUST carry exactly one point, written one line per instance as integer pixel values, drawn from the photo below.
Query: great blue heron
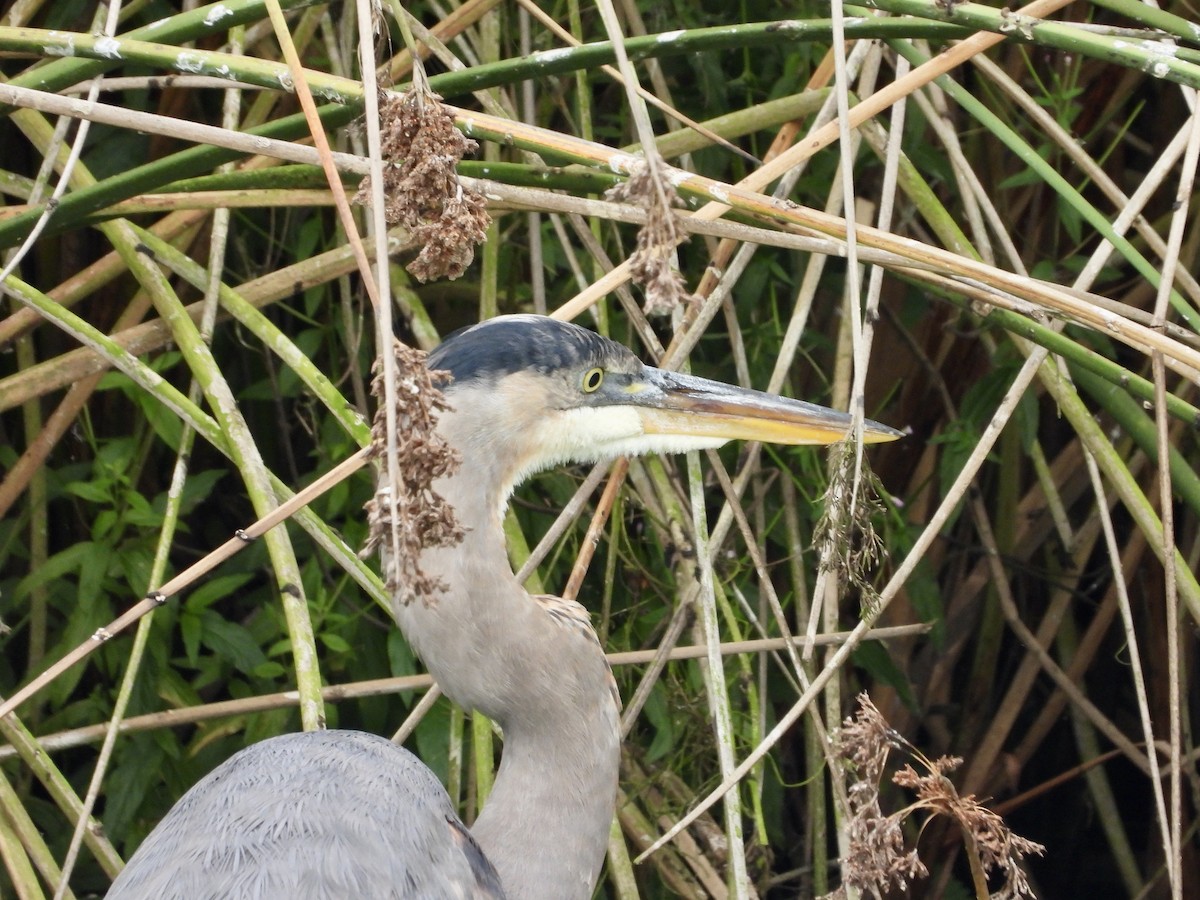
(341, 814)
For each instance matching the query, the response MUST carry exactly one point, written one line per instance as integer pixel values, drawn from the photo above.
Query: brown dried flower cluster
(877, 860)
(423, 518)
(421, 149)
(993, 842)
(651, 263)
(845, 532)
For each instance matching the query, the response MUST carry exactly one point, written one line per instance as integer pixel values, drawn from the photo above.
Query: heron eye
(592, 379)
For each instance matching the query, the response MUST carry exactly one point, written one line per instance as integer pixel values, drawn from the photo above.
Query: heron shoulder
(575, 618)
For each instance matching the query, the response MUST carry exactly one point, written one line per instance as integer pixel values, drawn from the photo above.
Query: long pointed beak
(671, 403)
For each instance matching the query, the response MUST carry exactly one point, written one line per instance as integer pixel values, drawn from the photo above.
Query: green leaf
(400, 656)
(139, 512)
(432, 739)
(214, 589)
(658, 714)
(873, 657)
(116, 457)
(103, 525)
(269, 670)
(164, 421)
(231, 642)
(197, 487)
(174, 689)
(93, 571)
(1070, 219)
(129, 782)
(90, 490)
(135, 562)
(335, 642)
(190, 629)
(57, 566)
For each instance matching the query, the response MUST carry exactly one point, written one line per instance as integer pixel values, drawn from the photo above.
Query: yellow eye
(592, 379)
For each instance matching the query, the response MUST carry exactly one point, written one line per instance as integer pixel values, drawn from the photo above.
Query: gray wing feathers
(314, 816)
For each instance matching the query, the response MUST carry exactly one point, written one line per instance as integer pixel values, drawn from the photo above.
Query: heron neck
(543, 678)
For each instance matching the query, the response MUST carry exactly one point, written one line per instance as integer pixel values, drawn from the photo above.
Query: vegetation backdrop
(973, 223)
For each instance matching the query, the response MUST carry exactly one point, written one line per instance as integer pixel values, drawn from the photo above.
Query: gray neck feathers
(543, 679)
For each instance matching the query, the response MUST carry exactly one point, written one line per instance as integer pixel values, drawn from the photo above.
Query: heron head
(531, 392)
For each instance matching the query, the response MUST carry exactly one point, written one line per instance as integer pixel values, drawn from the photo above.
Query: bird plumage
(490, 350)
(312, 816)
(342, 814)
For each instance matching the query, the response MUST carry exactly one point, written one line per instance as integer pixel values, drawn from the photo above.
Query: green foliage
(79, 542)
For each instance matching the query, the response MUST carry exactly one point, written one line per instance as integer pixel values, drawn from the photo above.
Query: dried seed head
(876, 860)
(651, 264)
(421, 150)
(408, 515)
(845, 532)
